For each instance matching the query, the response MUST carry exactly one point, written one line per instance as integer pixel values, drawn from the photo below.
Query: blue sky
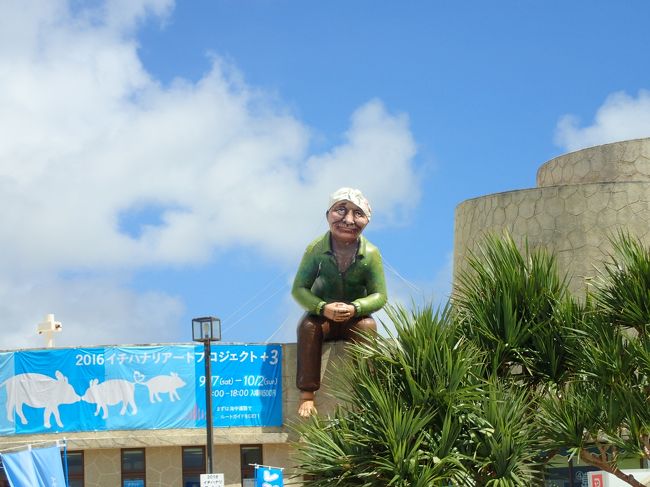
(163, 160)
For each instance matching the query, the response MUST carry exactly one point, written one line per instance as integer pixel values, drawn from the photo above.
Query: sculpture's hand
(338, 312)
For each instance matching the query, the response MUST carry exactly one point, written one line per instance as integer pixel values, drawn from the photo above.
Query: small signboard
(597, 480)
(212, 480)
(606, 479)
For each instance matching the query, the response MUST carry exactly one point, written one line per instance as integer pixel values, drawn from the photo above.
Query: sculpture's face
(346, 221)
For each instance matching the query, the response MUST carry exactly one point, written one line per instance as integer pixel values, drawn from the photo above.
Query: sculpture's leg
(359, 329)
(310, 346)
(354, 329)
(312, 331)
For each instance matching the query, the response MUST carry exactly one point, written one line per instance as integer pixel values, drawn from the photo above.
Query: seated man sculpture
(340, 282)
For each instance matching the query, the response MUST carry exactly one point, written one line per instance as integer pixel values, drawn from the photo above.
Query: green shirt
(319, 281)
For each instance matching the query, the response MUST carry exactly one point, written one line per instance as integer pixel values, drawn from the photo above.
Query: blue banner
(149, 387)
(48, 466)
(20, 470)
(40, 467)
(268, 476)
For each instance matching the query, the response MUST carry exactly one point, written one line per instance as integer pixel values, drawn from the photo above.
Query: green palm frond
(505, 436)
(405, 397)
(570, 417)
(623, 289)
(507, 304)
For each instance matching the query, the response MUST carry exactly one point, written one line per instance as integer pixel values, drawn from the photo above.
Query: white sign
(212, 480)
(605, 479)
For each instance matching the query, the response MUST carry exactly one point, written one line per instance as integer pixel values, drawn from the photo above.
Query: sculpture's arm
(376, 287)
(302, 283)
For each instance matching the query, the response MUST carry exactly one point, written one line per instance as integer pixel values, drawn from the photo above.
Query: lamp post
(207, 329)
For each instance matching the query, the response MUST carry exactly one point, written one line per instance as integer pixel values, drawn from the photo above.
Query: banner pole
(65, 462)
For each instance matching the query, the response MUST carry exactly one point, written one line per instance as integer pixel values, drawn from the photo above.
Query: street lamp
(207, 329)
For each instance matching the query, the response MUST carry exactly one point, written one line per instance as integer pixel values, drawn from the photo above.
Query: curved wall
(573, 212)
(620, 161)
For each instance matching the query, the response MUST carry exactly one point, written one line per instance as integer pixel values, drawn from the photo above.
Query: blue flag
(49, 468)
(20, 470)
(34, 468)
(268, 477)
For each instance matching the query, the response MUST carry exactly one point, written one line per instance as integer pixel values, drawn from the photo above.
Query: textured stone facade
(582, 199)
(102, 467)
(163, 448)
(618, 162)
(163, 467)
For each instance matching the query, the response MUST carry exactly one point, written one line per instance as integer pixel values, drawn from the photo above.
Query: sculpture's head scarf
(352, 195)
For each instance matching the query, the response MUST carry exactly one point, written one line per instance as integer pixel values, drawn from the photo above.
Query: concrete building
(580, 201)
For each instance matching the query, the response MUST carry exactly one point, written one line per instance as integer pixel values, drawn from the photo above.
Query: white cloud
(90, 136)
(125, 14)
(93, 311)
(620, 117)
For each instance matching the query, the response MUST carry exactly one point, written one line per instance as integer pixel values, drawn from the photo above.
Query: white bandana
(353, 196)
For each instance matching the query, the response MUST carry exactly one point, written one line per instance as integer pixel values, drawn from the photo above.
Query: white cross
(48, 328)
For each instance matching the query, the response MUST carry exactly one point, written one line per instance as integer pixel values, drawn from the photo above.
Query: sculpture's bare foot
(306, 407)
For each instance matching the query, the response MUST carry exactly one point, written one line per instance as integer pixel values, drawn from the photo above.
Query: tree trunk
(597, 462)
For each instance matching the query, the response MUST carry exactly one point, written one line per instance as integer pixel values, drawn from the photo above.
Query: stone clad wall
(102, 467)
(621, 161)
(573, 213)
(163, 467)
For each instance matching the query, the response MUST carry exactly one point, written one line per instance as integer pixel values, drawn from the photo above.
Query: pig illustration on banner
(110, 393)
(39, 391)
(162, 384)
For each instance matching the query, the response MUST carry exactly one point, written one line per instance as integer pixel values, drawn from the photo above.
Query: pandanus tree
(513, 305)
(587, 361)
(603, 413)
(418, 412)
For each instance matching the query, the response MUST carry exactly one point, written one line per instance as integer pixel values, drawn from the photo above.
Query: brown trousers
(312, 332)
